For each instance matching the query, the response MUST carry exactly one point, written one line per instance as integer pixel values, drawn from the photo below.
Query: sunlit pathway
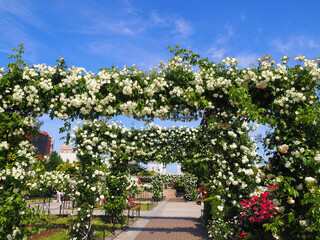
(172, 219)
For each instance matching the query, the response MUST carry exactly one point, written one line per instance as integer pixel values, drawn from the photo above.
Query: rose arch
(226, 98)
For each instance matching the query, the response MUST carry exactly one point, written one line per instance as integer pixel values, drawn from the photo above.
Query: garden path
(171, 219)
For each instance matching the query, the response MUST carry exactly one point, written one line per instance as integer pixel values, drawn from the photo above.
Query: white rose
(276, 202)
(300, 186)
(280, 209)
(310, 180)
(303, 223)
(283, 148)
(261, 85)
(309, 229)
(89, 148)
(220, 208)
(262, 174)
(290, 200)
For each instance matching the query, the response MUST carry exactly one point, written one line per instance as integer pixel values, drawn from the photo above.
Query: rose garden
(249, 197)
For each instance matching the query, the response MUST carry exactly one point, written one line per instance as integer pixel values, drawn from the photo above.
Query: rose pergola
(188, 180)
(224, 97)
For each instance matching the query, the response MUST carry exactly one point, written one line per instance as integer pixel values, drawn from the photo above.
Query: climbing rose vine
(283, 96)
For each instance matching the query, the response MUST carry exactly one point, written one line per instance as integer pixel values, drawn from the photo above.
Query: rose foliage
(185, 88)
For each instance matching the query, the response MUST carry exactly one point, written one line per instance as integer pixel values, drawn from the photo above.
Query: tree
(200, 170)
(135, 168)
(53, 161)
(69, 168)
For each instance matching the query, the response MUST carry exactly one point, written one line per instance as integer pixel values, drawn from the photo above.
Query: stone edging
(116, 233)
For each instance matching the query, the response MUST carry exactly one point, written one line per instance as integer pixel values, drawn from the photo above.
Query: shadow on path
(172, 228)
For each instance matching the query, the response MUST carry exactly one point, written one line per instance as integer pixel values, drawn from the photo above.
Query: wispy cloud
(125, 53)
(119, 27)
(219, 48)
(182, 27)
(130, 21)
(16, 25)
(217, 53)
(13, 33)
(97, 23)
(177, 25)
(224, 37)
(129, 8)
(5, 50)
(156, 19)
(295, 44)
(103, 19)
(26, 13)
(243, 17)
(245, 59)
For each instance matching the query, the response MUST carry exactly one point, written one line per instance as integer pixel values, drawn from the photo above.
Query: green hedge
(210, 206)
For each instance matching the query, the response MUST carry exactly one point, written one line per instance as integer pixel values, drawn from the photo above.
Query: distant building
(68, 154)
(157, 167)
(52, 145)
(43, 142)
(179, 172)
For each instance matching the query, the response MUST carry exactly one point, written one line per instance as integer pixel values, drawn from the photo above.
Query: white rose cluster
(173, 92)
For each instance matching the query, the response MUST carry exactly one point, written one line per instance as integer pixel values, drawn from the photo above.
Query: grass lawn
(143, 206)
(59, 235)
(58, 229)
(36, 200)
(142, 199)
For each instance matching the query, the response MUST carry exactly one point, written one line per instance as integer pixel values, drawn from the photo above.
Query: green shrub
(179, 187)
(210, 204)
(219, 218)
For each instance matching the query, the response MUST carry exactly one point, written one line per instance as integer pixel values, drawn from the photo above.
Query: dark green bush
(179, 187)
(210, 208)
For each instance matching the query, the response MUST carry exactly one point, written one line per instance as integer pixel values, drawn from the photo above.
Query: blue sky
(95, 34)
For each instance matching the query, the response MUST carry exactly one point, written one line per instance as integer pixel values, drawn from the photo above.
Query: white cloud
(129, 9)
(102, 25)
(17, 24)
(129, 21)
(157, 19)
(282, 47)
(121, 27)
(26, 13)
(224, 37)
(175, 24)
(245, 59)
(230, 30)
(243, 17)
(295, 44)
(183, 28)
(216, 53)
(126, 53)
(6, 51)
(13, 33)
(219, 48)
(94, 18)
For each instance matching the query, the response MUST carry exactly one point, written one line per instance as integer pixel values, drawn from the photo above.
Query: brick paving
(172, 219)
(173, 229)
(176, 200)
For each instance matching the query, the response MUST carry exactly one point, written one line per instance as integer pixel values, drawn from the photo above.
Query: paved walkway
(172, 219)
